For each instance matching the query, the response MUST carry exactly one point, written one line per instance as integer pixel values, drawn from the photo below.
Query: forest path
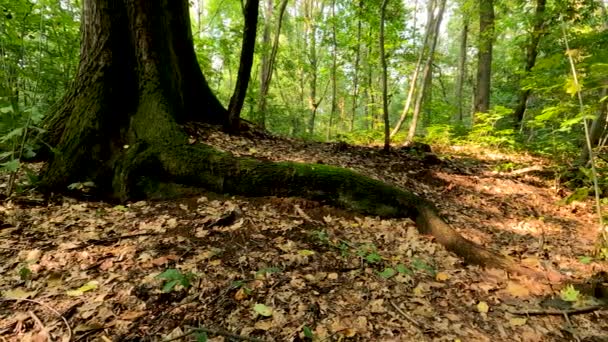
(284, 269)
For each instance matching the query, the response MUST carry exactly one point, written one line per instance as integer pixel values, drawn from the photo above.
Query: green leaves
(173, 277)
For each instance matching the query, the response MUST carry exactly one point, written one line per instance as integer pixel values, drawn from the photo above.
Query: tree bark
(531, 54)
(137, 80)
(462, 66)
(484, 59)
(387, 137)
(250, 12)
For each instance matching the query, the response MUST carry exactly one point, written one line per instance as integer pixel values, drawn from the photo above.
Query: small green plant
(421, 265)
(173, 277)
(308, 333)
(403, 270)
(369, 253)
(388, 272)
(569, 294)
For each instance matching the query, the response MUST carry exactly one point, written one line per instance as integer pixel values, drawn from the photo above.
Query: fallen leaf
(262, 310)
(441, 276)
(483, 307)
(91, 285)
(517, 290)
(518, 321)
(18, 293)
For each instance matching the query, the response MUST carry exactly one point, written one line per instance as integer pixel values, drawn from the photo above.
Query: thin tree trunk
(414, 81)
(598, 127)
(531, 54)
(462, 65)
(387, 137)
(268, 59)
(250, 13)
(334, 67)
(311, 30)
(427, 72)
(356, 71)
(484, 60)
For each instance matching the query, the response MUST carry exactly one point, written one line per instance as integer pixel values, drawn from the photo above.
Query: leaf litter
(289, 269)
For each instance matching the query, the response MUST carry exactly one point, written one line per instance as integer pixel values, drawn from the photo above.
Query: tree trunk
(427, 72)
(414, 79)
(531, 53)
(387, 137)
(356, 71)
(311, 33)
(598, 128)
(250, 12)
(334, 70)
(120, 127)
(269, 58)
(129, 90)
(484, 59)
(462, 66)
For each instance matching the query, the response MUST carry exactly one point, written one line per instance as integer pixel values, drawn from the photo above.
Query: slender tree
(268, 57)
(531, 54)
(355, 94)
(414, 79)
(250, 13)
(427, 71)
(462, 66)
(334, 71)
(387, 138)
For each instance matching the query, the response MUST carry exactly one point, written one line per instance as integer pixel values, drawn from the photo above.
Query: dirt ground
(288, 269)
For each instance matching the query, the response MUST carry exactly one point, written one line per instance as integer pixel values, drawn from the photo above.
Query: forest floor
(288, 269)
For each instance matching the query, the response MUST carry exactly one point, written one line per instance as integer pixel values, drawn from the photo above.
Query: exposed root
(221, 172)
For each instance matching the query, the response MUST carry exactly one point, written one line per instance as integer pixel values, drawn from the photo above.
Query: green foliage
(569, 294)
(369, 253)
(308, 332)
(173, 277)
(494, 128)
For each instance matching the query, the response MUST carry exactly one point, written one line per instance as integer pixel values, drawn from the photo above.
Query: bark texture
(484, 59)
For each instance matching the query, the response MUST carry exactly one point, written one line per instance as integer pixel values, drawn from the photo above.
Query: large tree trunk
(484, 59)
(250, 12)
(119, 126)
(138, 79)
(531, 53)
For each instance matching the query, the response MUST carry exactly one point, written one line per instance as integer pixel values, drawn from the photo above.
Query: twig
(109, 240)
(406, 316)
(557, 312)
(215, 332)
(44, 306)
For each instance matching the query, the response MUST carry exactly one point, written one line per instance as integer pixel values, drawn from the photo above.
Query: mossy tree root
(202, 166)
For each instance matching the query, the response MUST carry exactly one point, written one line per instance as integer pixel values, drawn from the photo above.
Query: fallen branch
(65, 321)
(558, 312)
